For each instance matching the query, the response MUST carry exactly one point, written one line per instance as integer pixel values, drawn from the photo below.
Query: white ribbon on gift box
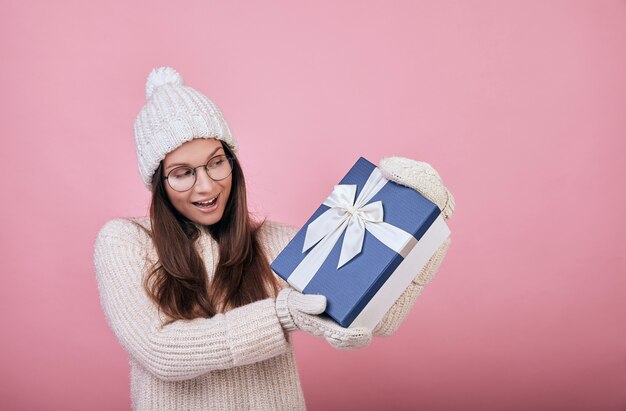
(353, 217)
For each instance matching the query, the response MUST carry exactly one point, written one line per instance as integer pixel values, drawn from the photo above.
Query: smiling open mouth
(206, 204)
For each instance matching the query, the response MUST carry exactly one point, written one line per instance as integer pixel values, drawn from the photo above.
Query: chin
(208, 219)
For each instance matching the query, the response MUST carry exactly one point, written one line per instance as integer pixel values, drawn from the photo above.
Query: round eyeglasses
(184, 177)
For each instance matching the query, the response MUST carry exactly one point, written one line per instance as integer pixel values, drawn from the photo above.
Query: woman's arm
(183, 349)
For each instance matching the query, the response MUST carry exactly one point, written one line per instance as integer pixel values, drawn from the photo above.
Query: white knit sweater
(238, 360)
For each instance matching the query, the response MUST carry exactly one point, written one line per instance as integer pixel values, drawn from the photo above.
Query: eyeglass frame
(195, 175)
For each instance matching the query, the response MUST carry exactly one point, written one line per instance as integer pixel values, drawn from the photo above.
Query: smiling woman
(189, 292)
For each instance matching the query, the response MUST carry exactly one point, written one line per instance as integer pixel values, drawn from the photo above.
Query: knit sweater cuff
(256, 328)
(282, 310)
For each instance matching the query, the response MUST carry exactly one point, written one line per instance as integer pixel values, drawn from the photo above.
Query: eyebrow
(185, 164)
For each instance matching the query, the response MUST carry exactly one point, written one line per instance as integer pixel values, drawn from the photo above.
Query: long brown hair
(178, 281)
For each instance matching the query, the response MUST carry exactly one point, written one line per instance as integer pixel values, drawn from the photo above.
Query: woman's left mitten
(421, 177)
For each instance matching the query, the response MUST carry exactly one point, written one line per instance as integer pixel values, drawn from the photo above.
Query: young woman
(188, 290)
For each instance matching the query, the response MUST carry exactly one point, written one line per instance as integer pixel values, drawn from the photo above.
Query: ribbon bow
(353, 216)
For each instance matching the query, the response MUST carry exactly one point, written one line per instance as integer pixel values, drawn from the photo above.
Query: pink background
(520, 106)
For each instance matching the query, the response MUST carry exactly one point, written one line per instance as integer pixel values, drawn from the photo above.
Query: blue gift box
(362, 247)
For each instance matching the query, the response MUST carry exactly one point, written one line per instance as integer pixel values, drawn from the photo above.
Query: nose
(204, 183)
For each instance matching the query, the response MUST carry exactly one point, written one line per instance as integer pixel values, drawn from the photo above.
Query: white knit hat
(173, 115)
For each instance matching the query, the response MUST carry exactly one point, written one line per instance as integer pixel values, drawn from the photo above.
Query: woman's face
(196, 153)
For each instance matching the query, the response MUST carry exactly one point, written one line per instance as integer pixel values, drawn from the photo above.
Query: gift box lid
(348, 289)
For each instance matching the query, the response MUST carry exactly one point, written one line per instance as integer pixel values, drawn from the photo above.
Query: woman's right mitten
(290, 302)
(297, 311)
(341, 338)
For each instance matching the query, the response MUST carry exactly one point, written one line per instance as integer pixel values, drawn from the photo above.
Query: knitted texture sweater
(238, 360)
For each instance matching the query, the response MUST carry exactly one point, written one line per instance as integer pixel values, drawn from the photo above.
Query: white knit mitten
(297, 311)
(421, 177)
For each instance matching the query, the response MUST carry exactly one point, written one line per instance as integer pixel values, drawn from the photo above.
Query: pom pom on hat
(161, 76)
